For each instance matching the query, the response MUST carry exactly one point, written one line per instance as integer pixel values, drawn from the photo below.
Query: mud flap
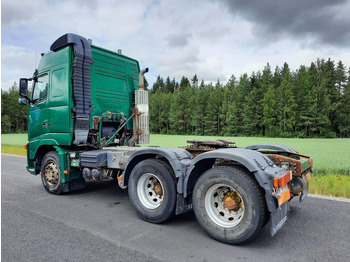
(279, 217)
(73, 185)
(305, 191)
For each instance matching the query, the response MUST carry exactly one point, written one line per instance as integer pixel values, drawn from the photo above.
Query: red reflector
(25, 147)
(283, 180)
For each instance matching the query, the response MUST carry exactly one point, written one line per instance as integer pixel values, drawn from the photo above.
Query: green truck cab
(88, 114)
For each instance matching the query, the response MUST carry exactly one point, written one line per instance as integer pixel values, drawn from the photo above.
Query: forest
(309, 102)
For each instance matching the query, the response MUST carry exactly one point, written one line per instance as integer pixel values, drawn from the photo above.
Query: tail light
(283, 180)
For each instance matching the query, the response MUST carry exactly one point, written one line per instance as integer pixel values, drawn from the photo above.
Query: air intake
(141, 103)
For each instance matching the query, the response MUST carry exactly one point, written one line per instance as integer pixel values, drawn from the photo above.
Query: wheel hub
(158, 188)
(51, 174)
(224, 205)
(150, 191)
(231, 201)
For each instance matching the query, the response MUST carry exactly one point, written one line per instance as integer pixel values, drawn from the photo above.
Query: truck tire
(51, 173)
(229, 204)
(152, 190)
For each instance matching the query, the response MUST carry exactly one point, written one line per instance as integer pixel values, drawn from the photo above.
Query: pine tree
(212, 117)
(270, 111)
(340, 77)
(158, 85)
(13, 114)
(344, 111)
(243, 89)
(229, 92)
(322, 108)
(194, 81)
(253, 107)
(169, 86)
(267, 78)
(184, 83)
(277, 77)
(286, 104)
(201, 102)
(306, 102)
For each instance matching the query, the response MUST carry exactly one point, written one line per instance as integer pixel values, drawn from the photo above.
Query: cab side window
(40, 89)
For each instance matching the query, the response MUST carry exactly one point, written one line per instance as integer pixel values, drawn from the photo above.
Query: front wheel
(229, 205)
(152, 190)
(51, 173)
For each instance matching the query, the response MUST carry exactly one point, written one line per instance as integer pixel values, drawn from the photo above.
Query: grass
(13, 150)
(329, 155)
(332, 176)
(13, 144)
(331, 184)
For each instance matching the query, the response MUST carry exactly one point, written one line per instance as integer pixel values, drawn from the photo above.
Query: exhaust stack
(141, 119)
(141, 82)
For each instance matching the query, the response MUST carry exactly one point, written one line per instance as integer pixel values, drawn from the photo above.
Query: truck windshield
(40, 88)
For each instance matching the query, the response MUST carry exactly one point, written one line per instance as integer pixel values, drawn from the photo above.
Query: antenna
(36, 55)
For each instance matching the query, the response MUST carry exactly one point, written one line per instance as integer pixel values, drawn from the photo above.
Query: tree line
(312, 101)
(13, 115)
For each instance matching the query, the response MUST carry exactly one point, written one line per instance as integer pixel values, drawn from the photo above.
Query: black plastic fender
(178, 158)
(272, 146)
(257, 163)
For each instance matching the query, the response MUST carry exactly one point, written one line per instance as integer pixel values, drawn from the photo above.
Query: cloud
(327, 22)
(12, 13)
(213, 39)
(177, 40)
(16, 62)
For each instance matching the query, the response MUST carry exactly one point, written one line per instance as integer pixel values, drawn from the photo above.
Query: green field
(14, 144)
(331, 156)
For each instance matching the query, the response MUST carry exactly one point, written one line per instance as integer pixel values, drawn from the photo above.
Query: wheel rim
(51, 173)
(224, 205)
(150, 191)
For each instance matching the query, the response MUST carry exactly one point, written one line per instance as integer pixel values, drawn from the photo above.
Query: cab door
(38, 109)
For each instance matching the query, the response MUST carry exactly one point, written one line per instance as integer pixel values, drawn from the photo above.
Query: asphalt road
(99, 224)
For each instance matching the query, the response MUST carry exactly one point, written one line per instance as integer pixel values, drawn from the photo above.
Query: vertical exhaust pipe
(141, 75)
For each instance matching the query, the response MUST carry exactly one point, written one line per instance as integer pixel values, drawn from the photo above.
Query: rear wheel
(152, 190)
(51, 173)
(229, 205)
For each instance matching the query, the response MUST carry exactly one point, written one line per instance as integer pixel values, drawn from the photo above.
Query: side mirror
(23, 87)
(22, 101)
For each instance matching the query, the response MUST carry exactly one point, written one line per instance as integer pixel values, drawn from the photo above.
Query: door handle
(45, 125)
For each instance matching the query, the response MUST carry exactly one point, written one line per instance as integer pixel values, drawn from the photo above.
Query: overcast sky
(213, 39)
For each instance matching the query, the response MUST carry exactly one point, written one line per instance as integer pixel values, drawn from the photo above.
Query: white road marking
(13, 155)
(340, 199)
